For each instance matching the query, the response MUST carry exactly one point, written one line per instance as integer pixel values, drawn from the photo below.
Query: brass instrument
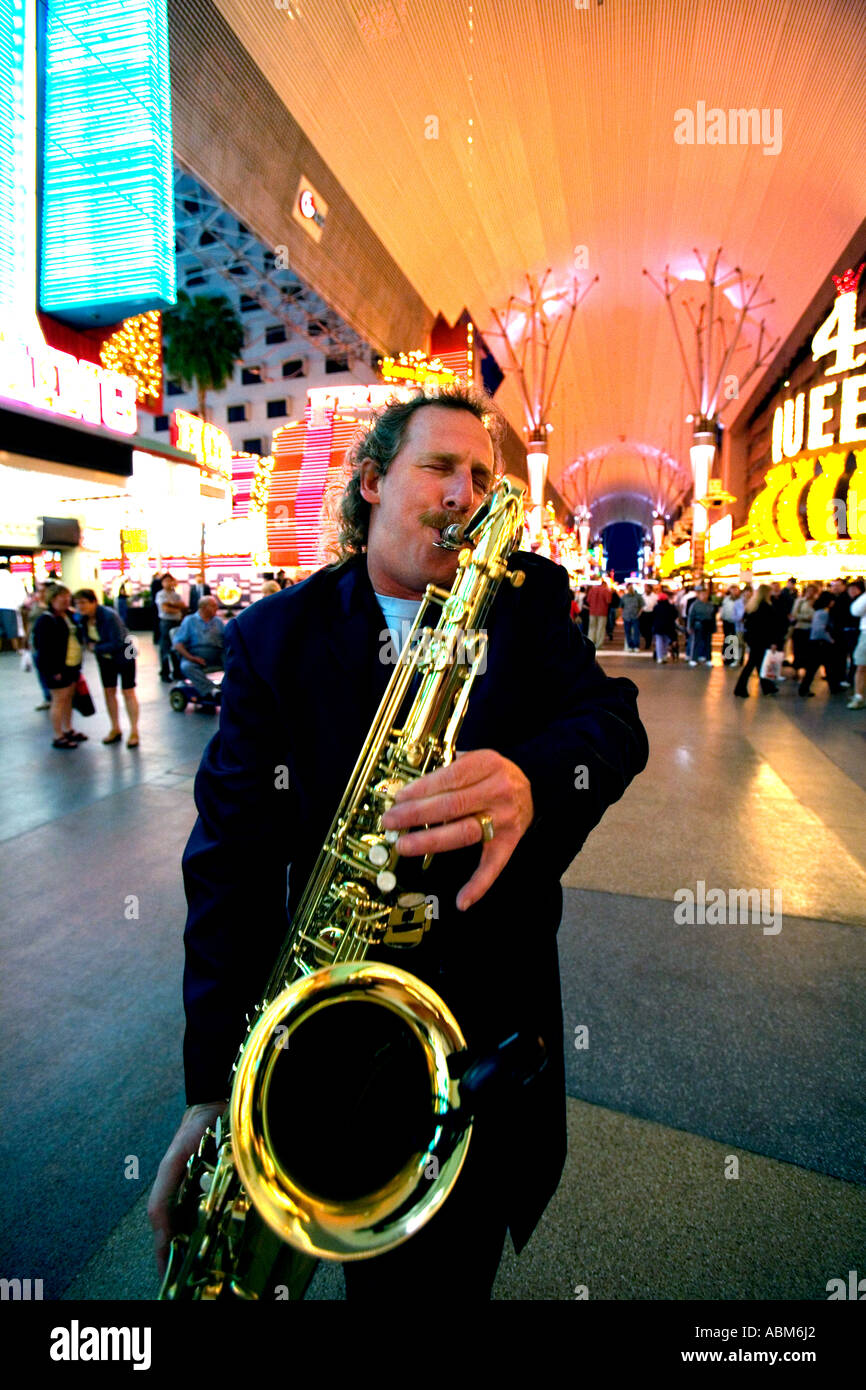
(251, 1195)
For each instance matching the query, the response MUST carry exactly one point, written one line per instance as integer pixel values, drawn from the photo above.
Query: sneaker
(857, 702)
(844, 685)
(48, 706)
(693, 663)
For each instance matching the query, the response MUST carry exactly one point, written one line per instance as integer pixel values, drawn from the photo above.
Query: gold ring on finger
(486, 823)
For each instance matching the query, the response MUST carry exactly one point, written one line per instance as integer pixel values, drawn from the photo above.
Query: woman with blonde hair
(761, 622)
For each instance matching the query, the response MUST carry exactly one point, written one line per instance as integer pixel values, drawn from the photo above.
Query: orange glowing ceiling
(481, 141)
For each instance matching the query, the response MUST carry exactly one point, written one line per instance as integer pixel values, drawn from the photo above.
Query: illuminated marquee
(798, 425)
(209, 444)
(417, 367)
(811, 500)
(106, 198)
(56, 381)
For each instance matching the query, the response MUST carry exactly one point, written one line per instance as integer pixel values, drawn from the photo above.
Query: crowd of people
(53, 628)
(764, 629)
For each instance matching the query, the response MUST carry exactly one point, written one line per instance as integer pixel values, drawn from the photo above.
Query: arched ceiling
(488, 139)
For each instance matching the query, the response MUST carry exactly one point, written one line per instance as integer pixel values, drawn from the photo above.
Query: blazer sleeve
(592, 742)
(235, 873)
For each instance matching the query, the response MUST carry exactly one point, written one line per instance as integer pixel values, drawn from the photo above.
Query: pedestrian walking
(598, 602)
(664, 626)
(761, 624)
(700, 625)
(632, 607)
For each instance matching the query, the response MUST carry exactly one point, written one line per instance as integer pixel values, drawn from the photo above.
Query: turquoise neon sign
(13, 192)
(107, 211)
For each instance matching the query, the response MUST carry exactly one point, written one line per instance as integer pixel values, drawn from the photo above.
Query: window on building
(295, 367)
(275, 334)
(336, 364)
(160, 424)
(236, 413)
(174, 388)
(248, 303)
(251, 376)
(252, 446)
(276, 409)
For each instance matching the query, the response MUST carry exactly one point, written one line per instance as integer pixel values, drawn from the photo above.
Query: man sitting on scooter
(199, 644)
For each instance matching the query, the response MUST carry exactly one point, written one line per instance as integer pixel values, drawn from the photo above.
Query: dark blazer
(302, 683)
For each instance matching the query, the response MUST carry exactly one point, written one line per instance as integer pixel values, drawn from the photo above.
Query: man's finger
(444, 806)
(455, 835)
(494, 857)
(471, 767)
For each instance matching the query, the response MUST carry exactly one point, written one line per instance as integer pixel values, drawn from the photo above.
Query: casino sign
(813, 502)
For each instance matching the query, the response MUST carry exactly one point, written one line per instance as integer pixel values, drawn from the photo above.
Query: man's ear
(370, 480)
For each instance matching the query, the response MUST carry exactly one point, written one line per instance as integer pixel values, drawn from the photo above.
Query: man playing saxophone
(304, 674)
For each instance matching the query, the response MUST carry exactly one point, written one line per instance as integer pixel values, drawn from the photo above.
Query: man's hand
(450, 799)
(196, 1120)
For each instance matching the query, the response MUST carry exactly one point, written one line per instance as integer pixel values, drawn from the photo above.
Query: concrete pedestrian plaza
(717, 1108)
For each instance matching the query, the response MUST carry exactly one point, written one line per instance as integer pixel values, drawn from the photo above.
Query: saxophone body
(350, 1163)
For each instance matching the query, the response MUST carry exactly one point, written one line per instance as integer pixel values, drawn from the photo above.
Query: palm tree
(202, 339)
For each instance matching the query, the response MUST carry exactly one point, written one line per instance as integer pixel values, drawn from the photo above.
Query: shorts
(8, 623)
(68, 676)
(110, 670)
(860, 650)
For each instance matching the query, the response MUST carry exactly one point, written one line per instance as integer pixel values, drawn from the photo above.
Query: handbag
(82, 700)
(771, 666)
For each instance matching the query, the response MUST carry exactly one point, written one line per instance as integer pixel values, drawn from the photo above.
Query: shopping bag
(771, 666)
(82, 700)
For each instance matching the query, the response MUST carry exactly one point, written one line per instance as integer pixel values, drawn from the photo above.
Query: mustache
(440, 520)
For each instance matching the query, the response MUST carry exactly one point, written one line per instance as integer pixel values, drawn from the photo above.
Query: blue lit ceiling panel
(107, 217)
(13, 196)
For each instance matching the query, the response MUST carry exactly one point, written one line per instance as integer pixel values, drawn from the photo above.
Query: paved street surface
(717, 1109)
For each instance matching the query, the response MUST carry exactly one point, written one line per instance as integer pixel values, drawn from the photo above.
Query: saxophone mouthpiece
(452, 536)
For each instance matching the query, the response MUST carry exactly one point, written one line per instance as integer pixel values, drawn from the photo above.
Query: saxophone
(252, 1213)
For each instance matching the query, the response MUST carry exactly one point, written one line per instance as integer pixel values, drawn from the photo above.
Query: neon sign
(56, 381)
(417, 367)
(209, 444)
(107, 205)
(795, 425)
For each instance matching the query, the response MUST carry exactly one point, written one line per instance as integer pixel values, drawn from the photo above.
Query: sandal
(132, 741)
(113, 738)
(64, 742)
(76, 737)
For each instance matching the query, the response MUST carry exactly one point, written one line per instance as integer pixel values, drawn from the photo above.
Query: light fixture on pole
(536, 464)
(702, 452)
(658, 536)
(528, 329)
(715, 307)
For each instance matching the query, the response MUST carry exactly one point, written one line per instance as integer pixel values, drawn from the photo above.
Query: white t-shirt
(399, 614)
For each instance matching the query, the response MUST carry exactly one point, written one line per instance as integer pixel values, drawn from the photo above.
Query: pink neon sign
(56, 381)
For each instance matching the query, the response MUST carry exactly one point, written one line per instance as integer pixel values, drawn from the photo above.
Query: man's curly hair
(383, 441)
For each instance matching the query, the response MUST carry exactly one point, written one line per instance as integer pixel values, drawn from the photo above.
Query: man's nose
(458, 491)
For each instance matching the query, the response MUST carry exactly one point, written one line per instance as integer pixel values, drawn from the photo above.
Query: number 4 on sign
(839, 335)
